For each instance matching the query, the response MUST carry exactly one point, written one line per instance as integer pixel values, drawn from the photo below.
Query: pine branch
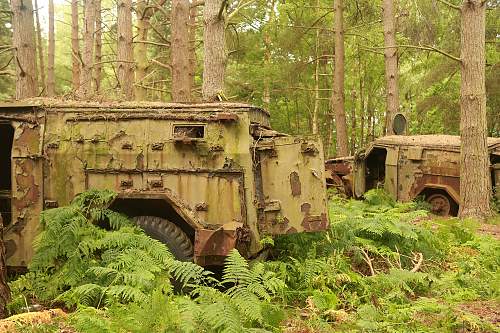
(421, 47)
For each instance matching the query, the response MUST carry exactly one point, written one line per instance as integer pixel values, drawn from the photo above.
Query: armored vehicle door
(22, 185)
(291, 185)
(359, 183)
(391, 172)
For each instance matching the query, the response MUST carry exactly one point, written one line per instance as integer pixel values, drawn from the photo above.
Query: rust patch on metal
(139, 161)
(315, 222)
(10, 248)
(214, 242)
(295, 185)
(201, 207)
(309, 148)
(28, 138)
(157, 146)
(26, 185)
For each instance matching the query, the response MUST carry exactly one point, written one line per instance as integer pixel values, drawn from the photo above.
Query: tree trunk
(98, 47)
(141, 50)
(75, 46)
(23, 40)
(266, 95)
(391, 65)
(4, 287)
(85, 89)
(474, 163)
(353, 122)
(214, 60)
(314, 118)
(125, 51)
(338, 81)
(362, 74)
(181, 82)
(51, 81)
(39, 44)
(193, 13)
(370, 135)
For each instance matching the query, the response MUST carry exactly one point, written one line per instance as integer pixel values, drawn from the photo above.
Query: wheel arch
(448, 189)
(164, 205)
(429, 189)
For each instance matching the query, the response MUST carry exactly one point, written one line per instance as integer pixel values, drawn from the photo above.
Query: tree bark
(39, 44)
(214, 60)
(193, 13)
(338, 81)
(98, 47)
(181, 82)
(51, 81)
(353, 122)
(125, 51)
(75, 46)
(315, 112)
(362, 75)
(85, 88)
(474, 163)
(266, 95)
(391, 65)
(4, 287)
(141, 50)
(23, 40)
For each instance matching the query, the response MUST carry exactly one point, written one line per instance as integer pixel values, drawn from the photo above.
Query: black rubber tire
(169, 234)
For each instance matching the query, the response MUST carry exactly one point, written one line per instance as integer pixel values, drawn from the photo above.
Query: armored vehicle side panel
(197, 166)
(411, 166)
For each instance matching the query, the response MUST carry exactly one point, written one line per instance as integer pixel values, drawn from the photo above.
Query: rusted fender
(212, 246)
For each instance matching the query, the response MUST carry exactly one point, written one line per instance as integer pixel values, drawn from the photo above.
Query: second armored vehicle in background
(410, 166)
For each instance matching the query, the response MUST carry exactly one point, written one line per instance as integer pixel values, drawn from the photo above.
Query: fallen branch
(368, 260)
(417, 262)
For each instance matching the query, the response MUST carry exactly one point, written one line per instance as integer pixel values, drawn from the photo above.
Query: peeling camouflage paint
(228, 177)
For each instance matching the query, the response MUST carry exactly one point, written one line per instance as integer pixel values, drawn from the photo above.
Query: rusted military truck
(203, 178)
(408, 167)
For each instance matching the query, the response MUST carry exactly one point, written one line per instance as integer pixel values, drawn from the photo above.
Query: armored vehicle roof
(81, 106)
(447, 142)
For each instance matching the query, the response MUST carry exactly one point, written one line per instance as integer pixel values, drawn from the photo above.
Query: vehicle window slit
(189, 131)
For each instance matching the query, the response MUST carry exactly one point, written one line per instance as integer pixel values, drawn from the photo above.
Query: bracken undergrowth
(382, 266)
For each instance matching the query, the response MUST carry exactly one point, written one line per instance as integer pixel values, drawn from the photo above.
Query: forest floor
(381, 267)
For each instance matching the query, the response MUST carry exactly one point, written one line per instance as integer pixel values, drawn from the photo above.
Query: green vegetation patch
(381, 267)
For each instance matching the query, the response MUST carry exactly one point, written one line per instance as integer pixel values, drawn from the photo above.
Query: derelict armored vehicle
(203, 178)
(410, 166)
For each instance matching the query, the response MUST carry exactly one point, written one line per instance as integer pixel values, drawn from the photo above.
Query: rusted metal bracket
(156, 183)
(126, 183)
(51, 204)
(157, 146)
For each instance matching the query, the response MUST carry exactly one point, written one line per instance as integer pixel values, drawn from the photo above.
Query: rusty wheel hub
(440, 204)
